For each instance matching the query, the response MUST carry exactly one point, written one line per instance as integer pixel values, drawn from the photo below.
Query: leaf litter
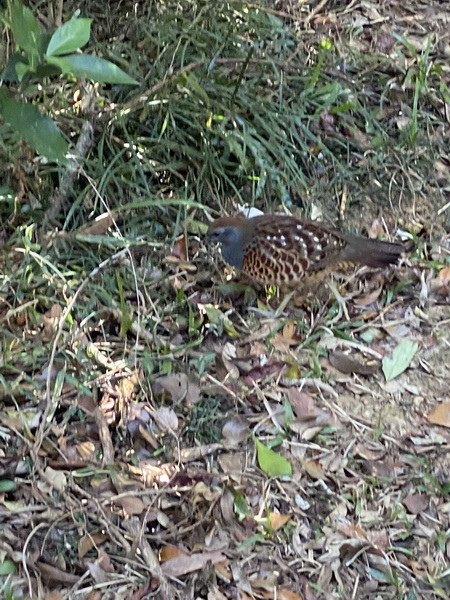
(260, 454)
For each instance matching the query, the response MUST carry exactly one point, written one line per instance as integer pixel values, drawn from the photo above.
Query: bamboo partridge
(284, 251)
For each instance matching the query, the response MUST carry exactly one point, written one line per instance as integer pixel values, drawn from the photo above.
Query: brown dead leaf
(181, 565)
(52, 574)
(444, 276)
(87, 542)
(141, 591)
(169, 552)
(100, 226)
(178, 387)
(104, 561)
(313, 468)
(258, 374)
(369, 298)
(348, 364)
(215, 594)
(223, 569)
(57, 479)
(228, 355)
(283, 341)
(264, 580)
(277, 521)
(418, 568)
(235, 431)
(349, 530)
(302, 404)
(283, 594)
(98, 574)
(180, 249)
(202, 492)
(369, 453)
(50, 321)
(417, 503)
(87, 451)
(87, 403)
(440, 415)
(166, 419)
(384, 42)
(191, 454)
(132, 505)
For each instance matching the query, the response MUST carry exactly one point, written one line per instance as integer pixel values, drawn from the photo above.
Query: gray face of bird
(231, 242)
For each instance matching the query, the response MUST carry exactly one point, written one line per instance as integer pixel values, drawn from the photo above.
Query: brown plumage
(282, 250)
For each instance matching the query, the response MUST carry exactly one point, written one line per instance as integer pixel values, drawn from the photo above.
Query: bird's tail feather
(372, 253)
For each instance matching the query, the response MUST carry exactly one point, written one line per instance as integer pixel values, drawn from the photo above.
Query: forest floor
(167, 431)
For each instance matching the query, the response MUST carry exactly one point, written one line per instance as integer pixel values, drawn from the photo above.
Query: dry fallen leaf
(314, 470)
(56, 479)
(132, 505)
(277, 521)
(235, 431)
(166, 419)
(100, 226)
(440, 415)
(369, 298)
(175, 567)
(180, 249)
(417, 503)
(282, 594)
(169, 552)
(178, 387)
(348, 364)
(87, 542)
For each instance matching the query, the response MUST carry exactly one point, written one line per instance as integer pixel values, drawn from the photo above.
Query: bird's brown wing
(283, 250)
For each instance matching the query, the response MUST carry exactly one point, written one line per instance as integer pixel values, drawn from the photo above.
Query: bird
(285, 251)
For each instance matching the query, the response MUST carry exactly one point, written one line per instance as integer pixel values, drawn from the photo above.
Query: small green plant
(39, 55)
(421, 88)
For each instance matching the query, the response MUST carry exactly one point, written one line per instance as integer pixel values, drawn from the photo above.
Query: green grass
(237, 105)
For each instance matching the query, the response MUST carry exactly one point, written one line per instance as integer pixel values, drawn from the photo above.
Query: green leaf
(38, 130)
(25, 27)
(69, 37)
(218, 318)
(7, 567)
(273, 464)
(380, 576)
(6, 485)
(240, 505)
(22, 69)
(91, 67)
(401, 359)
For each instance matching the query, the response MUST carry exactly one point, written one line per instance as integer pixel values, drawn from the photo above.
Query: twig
(60, 197)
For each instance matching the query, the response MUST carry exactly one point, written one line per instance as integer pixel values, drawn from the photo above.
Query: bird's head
(231, 234)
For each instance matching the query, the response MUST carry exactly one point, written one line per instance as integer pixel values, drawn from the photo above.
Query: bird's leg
(341, 302)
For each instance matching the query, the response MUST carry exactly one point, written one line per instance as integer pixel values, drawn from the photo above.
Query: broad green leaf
(6, 485)
(91, 67)
(22, 69)
(401, 359)
(38, 130)
(381, 576)
(218, 318)
(240, 505)
(273, 464)
(214, 314)
(69, 37)
(25, 27)
(7, 567)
